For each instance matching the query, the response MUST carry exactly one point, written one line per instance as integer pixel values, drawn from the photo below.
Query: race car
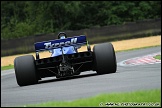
(65, 60)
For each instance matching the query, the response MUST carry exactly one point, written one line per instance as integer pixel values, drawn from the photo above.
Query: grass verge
(7, 67)
(137, 98)
(158, 57)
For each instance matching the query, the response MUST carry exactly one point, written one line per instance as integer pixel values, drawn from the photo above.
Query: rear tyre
(25, 70)
(104, 58)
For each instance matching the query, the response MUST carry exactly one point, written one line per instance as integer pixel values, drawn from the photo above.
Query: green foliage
(25, 18)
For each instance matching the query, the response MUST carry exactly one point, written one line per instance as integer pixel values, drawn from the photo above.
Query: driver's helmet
(62, 35)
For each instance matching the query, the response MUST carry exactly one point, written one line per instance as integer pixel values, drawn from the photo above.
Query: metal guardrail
(106, 33)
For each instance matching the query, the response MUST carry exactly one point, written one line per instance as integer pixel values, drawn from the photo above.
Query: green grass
(158, 57)
(150, 97)
(7, 67)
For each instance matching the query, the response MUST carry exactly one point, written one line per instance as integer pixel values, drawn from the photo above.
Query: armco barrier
(94, 35)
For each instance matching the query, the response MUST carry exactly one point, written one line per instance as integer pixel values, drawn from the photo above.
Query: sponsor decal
(54, 45)
(147, 59)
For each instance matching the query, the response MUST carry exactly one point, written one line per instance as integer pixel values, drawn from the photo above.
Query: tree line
(26, 18)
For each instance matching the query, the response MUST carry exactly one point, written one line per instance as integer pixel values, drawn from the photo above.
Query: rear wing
(58, 43)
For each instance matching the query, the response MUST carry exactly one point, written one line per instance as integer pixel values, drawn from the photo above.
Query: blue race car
(65, 60)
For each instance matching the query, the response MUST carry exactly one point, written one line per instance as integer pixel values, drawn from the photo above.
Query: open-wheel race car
(65, 60)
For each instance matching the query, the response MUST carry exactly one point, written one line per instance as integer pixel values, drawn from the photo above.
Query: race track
(127, 78)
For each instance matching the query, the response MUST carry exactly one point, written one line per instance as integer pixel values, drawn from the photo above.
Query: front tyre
(104, 58)
(25, 70)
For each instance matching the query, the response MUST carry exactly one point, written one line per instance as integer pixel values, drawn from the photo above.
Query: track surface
(139, 77)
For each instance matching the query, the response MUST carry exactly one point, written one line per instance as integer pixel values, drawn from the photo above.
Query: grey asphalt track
(126, 79)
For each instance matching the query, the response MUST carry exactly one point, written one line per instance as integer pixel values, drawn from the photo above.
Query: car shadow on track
(67, 78)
